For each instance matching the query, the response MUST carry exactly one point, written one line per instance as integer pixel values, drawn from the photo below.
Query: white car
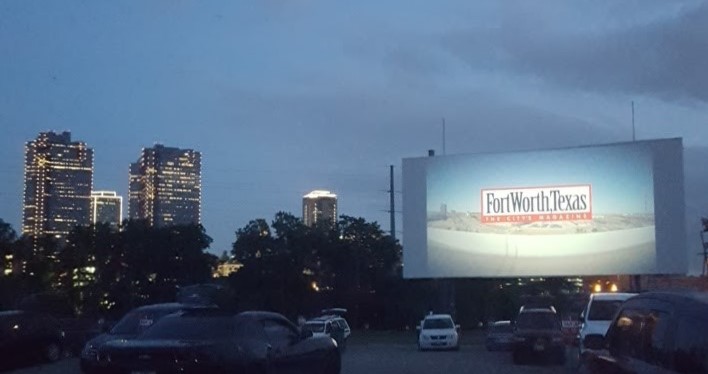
(597, 317)
(438, 331)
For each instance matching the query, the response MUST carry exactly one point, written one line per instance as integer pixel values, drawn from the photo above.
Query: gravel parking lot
(389, 353)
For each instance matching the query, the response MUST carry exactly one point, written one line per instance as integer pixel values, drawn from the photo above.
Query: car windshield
(603, 310)
(138, 321)
(193, 328)
(502, 328)
(315, 326)
(537, 320)
(437, 323)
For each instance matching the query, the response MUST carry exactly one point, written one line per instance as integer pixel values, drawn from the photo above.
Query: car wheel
(52, 352)
(333, 364)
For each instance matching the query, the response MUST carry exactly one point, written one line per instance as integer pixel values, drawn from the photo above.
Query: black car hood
(104, 338)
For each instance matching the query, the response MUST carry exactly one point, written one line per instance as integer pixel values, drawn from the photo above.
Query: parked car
(500, 336)
(77, 329)
(130, 326)
(656, 332)
(331, 326)
(32, 336)
(337, 315)
(537, 333)
(596, 318)
(213, 341)
(438, 331)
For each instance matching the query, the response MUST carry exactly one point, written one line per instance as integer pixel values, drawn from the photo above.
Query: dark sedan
(500, 336)
(130, 326)
(218, 342)
(29, 336)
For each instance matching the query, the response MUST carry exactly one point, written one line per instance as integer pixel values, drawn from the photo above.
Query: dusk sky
(286, 96)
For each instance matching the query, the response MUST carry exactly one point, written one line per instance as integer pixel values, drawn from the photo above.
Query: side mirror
(417, 328)
(457, 327)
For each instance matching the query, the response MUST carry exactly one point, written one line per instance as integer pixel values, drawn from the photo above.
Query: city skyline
(319, 206)
(283, 97)
(106, 207)
(165, 186)
(58, 181)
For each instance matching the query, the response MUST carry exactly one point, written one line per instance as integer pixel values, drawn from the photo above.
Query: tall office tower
(319, 206)
(58, 183)
(106, 207)
(166, 186)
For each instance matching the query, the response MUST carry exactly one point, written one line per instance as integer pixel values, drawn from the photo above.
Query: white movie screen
(575, 211)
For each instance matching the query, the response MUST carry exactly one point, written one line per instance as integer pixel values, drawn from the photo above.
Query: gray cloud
(663, 58)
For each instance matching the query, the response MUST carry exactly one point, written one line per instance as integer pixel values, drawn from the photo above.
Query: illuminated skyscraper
(58, 182)
(319, 206)
(166, 186)
(106, 207)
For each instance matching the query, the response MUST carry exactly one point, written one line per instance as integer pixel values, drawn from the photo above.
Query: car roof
(327, 318)
(538, 310)
(170, 306)
(621, 296)
(256, 314)
(686, 298)
(8, 313)
(438, 316)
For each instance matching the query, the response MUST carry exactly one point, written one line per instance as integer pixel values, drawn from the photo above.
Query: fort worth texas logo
(533, 204)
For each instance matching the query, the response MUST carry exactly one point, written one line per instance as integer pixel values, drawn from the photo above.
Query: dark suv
(27, 335)
(655, 332)
(537, 332)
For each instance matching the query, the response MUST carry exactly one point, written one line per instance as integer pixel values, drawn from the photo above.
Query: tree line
(288, 267)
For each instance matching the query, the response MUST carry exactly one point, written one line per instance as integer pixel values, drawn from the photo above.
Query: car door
(290, 354)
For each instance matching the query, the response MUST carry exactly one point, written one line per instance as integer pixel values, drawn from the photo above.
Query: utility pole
(443, 138)
(634, 131)
(704, 243)
(392, 211)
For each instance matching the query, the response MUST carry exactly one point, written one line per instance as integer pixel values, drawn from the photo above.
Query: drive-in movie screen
(585, 210)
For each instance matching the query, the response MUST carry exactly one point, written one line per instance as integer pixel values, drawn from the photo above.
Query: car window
(437, 323)
(315, 326)
(691, 348)
(138, 321)
(328, 328)
(603, 310)
(502, 328)
(279, 334)
(192, 328)
(537, 321)
(625, 336)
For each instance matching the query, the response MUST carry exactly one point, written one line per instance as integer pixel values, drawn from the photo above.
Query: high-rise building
(166, 186)
(106, 207)
(319, 206)
(58, 183)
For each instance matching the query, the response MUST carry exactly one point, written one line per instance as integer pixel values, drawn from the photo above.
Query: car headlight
(425, 337)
